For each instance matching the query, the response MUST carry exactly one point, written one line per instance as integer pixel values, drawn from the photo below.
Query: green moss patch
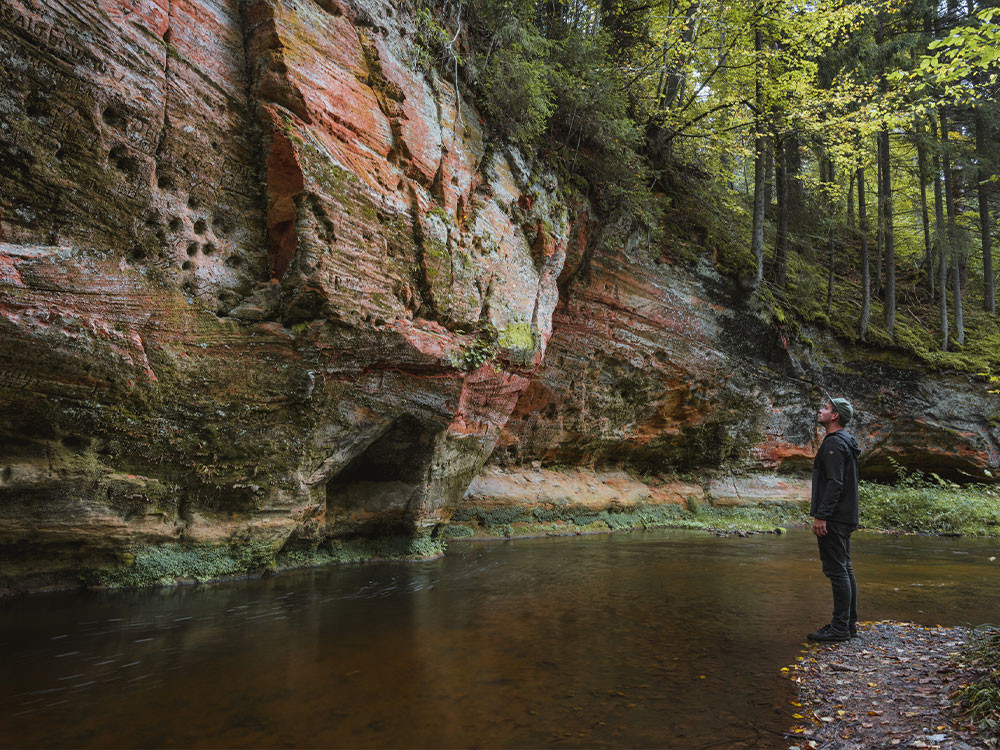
(511, 521)
(168, 564)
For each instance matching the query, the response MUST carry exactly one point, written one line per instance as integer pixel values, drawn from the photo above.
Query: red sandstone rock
(262, 282)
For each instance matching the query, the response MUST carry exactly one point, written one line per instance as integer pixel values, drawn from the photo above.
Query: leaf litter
(888, 688)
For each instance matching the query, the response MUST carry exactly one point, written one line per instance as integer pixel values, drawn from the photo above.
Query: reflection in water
(654, 639)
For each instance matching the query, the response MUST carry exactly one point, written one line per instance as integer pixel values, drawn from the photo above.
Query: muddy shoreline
(889, 687)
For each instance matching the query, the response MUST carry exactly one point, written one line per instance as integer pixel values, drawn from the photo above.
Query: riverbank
(534, 501)
(892, 686)
(924, 504)
(502, 504)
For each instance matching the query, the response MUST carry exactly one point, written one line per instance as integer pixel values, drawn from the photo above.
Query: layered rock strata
(253, 265)
(270, 294)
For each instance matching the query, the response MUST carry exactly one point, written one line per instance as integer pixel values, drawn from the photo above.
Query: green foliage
(592, 132)
(981, 699)
(481, 349)
(434, 47)
(170, 563)
(167, 564)
(550, 88)
(970, 51)
(650, 111)
(515, 84)
(507, 521)
(928, 504)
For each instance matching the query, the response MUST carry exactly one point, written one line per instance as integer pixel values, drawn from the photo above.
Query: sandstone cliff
(271, 294)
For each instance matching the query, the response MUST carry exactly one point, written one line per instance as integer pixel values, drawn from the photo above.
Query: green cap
(843, 407)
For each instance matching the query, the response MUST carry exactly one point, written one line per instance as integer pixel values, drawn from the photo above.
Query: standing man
(834, 509)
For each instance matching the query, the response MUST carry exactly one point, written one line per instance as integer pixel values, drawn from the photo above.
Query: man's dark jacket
(835, 480)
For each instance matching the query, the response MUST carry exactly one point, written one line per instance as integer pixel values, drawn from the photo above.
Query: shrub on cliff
(550, 86)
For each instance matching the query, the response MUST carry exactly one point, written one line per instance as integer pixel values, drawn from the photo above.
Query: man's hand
(819, 527)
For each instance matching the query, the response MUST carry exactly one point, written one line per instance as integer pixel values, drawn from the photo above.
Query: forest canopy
(840, 156)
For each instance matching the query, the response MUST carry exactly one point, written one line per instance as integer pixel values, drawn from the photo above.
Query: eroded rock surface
(268, 288)
(253, 261)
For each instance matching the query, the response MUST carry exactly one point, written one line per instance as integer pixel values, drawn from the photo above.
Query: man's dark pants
(835, 554)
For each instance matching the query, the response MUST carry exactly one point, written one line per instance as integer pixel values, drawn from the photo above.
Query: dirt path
(887, 688)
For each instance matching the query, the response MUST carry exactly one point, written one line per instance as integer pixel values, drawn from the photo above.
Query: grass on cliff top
(927, 504)
(700, 222)
(916, 342)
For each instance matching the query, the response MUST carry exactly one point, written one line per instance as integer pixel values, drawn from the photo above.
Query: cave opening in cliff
(376, 489)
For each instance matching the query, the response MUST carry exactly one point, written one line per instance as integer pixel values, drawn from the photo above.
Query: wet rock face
(261, 280)
(266, 286)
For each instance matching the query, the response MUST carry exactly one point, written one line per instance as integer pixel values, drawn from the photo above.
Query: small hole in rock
(138, 253)
(234, 261)
(121, 159)
(163, 182)
(75, 441)
(192, 249)
(200, 226)
(113, 116)
(208, 249)
(37, 108)
(187, 265)
(220, 227)
(175, 224)
(193, 202)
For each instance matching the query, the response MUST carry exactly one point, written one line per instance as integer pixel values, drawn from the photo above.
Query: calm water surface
(652, 639)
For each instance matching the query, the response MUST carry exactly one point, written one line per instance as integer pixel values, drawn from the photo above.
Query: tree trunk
(956, 284)
(781, 188)
(832, 245)
(793, 175)
(887, 235)
(982, 177)
(769, 178)
(757, 238)
(924, 216)
(949, 200)
(942, 249)
(879, 226)
(866, 292)
(850, 202)
(829, 276)
(673, 90)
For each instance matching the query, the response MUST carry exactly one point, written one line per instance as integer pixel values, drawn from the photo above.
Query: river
(647, 639)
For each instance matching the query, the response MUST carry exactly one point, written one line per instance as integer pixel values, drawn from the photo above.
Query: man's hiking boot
(827, 633)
